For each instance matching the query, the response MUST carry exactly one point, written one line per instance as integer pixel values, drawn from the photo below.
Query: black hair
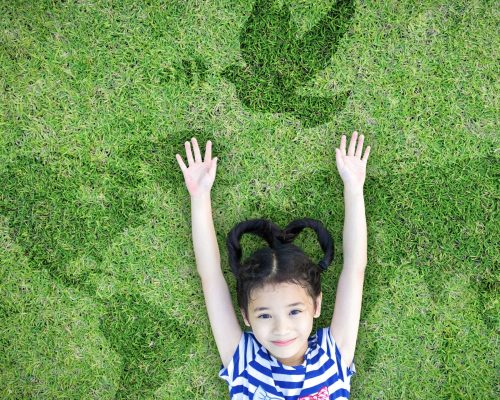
(281, 262)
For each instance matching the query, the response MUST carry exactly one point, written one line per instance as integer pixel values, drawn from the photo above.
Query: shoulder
(247, 348)
(328, 344)
(245, 353)
(324, 340)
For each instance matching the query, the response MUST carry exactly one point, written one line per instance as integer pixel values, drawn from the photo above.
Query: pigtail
(276, 237)
(266, 229)
(325, 240)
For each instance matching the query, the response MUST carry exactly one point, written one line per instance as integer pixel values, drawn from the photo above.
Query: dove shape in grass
(278, 62)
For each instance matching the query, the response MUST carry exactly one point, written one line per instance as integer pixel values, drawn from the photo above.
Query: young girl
(279, 291)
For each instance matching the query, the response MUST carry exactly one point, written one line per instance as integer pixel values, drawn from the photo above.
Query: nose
(280, 326)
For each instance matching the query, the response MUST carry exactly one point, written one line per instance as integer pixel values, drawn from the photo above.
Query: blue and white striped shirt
(254, 374)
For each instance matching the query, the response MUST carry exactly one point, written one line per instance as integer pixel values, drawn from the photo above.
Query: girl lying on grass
(279, 291)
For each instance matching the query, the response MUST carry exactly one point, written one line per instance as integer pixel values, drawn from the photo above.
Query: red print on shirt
(321, 395)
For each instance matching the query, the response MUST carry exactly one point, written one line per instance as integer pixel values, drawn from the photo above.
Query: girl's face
(281, 317)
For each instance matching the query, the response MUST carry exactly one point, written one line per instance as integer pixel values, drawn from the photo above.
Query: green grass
(99, 296)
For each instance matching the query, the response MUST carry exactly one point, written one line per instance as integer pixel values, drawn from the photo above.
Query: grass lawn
(99, 295)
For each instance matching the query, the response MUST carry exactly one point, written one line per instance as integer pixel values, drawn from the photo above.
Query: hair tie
(323, 265)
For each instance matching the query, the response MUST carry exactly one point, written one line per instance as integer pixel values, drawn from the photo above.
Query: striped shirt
(254, 374)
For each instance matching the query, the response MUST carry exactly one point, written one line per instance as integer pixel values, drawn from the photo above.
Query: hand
(352, 168)
(200, 175)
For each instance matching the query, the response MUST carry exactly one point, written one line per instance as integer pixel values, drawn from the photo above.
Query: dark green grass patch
(278, 61)
(147, 339)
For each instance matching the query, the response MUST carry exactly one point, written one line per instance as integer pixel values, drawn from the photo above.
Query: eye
(264, 316)
(295, 312)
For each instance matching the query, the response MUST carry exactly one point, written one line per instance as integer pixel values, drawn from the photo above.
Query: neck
(296, 359)
(292, 361)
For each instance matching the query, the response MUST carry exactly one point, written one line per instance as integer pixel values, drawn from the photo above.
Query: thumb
(339, 160)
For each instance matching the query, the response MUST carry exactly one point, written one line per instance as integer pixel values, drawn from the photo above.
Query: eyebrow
(267, 308)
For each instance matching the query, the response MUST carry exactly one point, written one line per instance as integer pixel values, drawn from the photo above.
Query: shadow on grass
(434, 216)
(148, 340)
(278, 63)
(59, 210)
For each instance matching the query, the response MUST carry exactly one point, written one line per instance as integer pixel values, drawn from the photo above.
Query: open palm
(351, 167)
(200, 175)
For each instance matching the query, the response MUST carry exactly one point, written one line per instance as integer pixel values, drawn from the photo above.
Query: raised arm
(199, 178)
(347, 311)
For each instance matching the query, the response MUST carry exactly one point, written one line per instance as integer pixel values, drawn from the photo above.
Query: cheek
(261, 331)
(266, 326)
(306, 324)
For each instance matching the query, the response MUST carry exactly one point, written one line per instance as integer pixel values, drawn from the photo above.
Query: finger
(367, 154)
(196, 148)
(189, 155)
(342, 144)
(213, 169)
(208, 151)
(181, 162)
(359, 149)
(352, 144)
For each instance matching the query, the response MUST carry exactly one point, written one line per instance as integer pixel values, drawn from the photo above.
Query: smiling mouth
(283, 342)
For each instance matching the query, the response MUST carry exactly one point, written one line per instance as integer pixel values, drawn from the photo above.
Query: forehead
(279, 294)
